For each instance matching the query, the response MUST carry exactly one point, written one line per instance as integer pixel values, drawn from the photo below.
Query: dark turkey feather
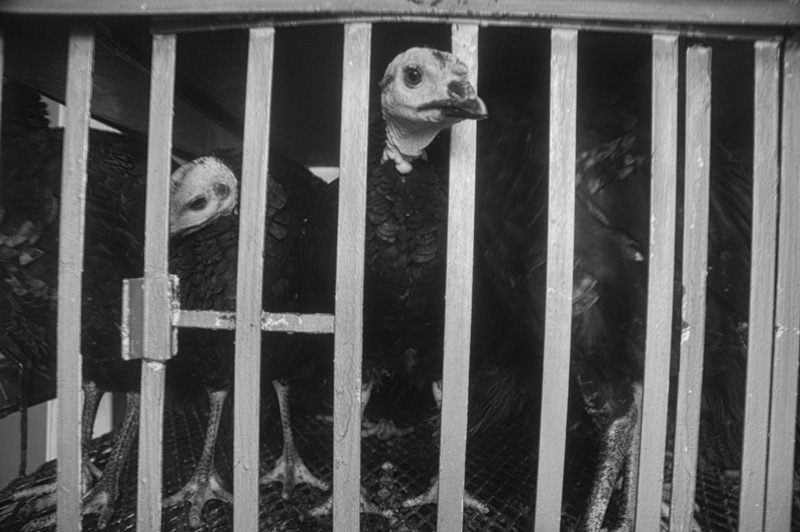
(205, 261)
(405, 254)
(29, 242)
(612, 218)
(423, 92)
(203, 254)
(113, 249)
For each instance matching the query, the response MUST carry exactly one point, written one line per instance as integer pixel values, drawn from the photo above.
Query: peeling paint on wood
(693, 315)
(70, 273)
(787, 319)
(663, 193)
(762, 286)
(270, 321)
(350, 279)
(253, 205)
(158, 334)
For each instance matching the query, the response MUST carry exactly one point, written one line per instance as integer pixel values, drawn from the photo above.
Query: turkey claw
(432, 497)
(40, 523)
(197, 492)
(101, 502)
(291, 473)
(366, 507)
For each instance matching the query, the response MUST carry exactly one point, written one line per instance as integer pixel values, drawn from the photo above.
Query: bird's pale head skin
(201, 191)
(424, 91)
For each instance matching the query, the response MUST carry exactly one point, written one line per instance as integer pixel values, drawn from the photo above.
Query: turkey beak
(462, 102)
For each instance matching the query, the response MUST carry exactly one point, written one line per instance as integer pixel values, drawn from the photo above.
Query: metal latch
(132, 326)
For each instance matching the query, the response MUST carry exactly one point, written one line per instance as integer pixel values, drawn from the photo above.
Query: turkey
(204, 235)
(612, 219)
(29, 236)
(423, 91)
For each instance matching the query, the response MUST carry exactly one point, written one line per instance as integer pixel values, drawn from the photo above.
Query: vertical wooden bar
(250, 279)
(157, 321)
(70, 273)
(348, 321)
(762, 287)
(560, 255)
(458, 302)
(663, 192)
(2, 66)
(787, 306)
(695, 265)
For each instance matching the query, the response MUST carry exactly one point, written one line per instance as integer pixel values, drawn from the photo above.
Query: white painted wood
(348, 318)
(663, 192)
(157, 338)
(762, 287)
(727, 12)
(270, 321)
(70, 273)
(560, 258)
(250, 268)
(695, 266)
(458, 299)
(787, 320)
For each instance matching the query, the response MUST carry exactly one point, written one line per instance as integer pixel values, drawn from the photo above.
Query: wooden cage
(122, 84)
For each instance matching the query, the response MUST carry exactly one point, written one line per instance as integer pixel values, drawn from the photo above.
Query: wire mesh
(501, 472)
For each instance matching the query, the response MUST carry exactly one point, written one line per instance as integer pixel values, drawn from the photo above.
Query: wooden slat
(70, 272)
(270, 321)
(41, 62)
(695, 264)
(787, 306)
(762, 287)
(348, 319)
(733, 12)
(249, 282)
(2, 70)
(157, 311)
(458, 301)
(189, 24)
(560, 255)
(653, 417)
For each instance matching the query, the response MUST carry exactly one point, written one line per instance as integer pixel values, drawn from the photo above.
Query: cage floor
(500, 472)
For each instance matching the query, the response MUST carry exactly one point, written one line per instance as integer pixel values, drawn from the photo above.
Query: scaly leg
(620, 448)
(102, 498)
(432, 495)
(43, 495)
(614, 446)
(92, 395)
(289, 468)
(205, 483)
(631, 475)
(617, 448)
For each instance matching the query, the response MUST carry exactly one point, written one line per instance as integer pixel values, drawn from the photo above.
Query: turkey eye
(221, 190)
(198, 204)
(412, 76)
